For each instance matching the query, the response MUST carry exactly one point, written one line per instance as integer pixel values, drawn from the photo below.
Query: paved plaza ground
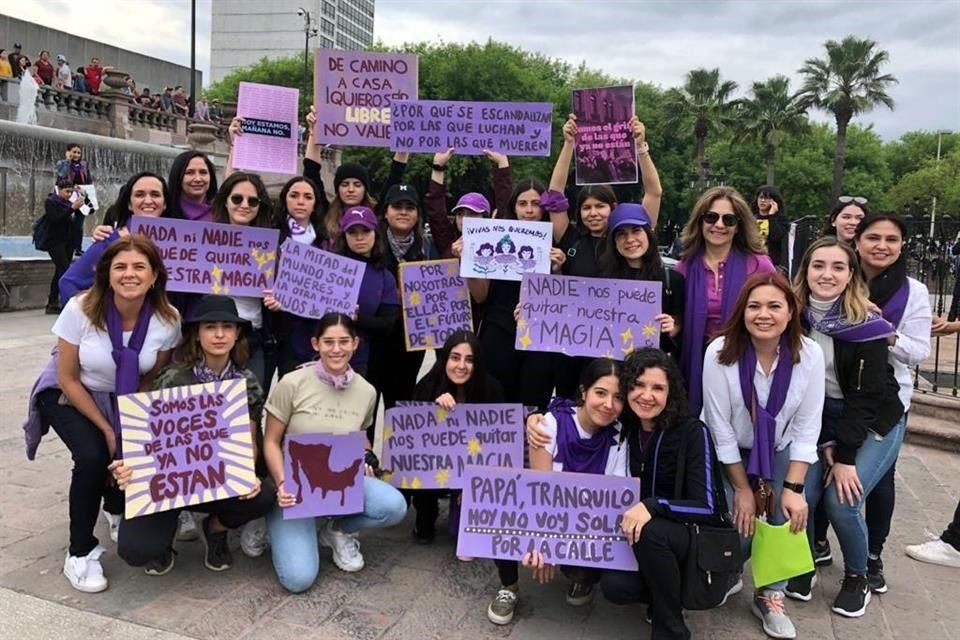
(406, 591)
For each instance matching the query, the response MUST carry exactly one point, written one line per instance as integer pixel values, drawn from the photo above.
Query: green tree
(704, 104)
(847, 83)
(769, 116)
(282, 72)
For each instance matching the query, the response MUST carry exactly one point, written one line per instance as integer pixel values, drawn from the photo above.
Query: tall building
(244, 31)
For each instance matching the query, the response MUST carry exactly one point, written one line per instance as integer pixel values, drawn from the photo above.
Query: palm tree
(846, 84)
(704, 101)
(771, 114)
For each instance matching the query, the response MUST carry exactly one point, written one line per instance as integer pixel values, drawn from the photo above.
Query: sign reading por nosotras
(204, 257)
(311, 282)
(435, 302)
(512, 128)
(570, 518)
(186, 445)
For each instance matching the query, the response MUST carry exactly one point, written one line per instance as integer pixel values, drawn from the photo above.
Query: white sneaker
(935, 552)
(187, 528)
(113, 521)
(85, 572)
(346, 547)
(253, 538)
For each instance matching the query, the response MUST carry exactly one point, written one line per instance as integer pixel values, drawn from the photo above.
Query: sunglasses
(237, 200)
(729, 219)
(854, 199)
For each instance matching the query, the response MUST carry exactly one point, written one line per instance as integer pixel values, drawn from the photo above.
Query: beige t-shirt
(308, 405)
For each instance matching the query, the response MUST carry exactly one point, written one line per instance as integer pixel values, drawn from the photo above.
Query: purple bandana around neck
(338, 381)
(734, 274)
(581, 455)
(197, 211)
(203, 373)
(893, 309)
(760, 462)
(127, 358)
(838, 327)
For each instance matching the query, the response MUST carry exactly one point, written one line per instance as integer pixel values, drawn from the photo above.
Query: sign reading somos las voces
(186, 446)
(429, 447)
(505, 249)
(435, 302)
(570, 518)
(512, 128)
(599, 317)
(205, 257)
(311, 282)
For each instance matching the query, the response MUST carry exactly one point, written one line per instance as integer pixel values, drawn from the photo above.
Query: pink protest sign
(599, 317)
(206, 257)
(186, 446)
(436, 302)
(325, 473)
(429, 447)
(269, 140)
(570, 518)
(311, 282)
(605, 150)
(354, 93)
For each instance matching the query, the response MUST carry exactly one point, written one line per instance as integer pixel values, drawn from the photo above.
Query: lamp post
(309, 31)
(703, 177)
(933, 206)
(193, 57)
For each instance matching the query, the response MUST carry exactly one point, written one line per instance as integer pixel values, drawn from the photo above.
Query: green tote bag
(777, 554)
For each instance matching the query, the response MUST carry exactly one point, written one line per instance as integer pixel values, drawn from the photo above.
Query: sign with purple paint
(512, 128)
(311, 282)
(429, 447)
(605, 149)
(570, 518)
(325, 473)
(186, 446)
(505, 249)
(355, 91)
(435, 302)
(597, 317)
(206, 257)
(269, 140)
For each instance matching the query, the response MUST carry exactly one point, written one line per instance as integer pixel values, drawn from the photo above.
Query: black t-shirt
(583, 252)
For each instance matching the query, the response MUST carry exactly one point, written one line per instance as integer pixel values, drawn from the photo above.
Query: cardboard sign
(325, 473)
(206, 257)
(436, 302)
(513, 128)
(186, 446)
(355, 91)
(311, 282)
(269, 140)
(505, 249)
(570, 518)
(597, 317)
(429, 447)
(605, 150)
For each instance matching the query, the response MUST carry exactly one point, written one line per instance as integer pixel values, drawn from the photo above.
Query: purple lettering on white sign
(269, 141)
(605, 149)
(311, 282)
(505, 249)
(324, 472)
(436, 302)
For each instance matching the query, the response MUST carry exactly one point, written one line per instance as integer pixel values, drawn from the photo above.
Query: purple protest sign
(311, 282)
(513, 128)
(186, 446)
(606, 152)
(206, 257)
(597, 317)
(354, 92)
(325, 473)
(570, 518)
(429, 447)
(435, 302)
(270, 128)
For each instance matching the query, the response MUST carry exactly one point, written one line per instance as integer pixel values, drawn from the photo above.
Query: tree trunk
(771, 153)
(839, 158)
(700, 152)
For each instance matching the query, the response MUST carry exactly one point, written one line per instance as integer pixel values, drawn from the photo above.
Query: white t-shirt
(97, 369)
(250, 309)
(616, 460)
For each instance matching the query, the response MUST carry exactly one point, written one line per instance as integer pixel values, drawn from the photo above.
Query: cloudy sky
(654, 41)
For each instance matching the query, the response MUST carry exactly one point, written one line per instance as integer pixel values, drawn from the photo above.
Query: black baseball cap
(402, 193)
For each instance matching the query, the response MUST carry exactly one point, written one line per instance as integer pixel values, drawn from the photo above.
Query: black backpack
(41, 233)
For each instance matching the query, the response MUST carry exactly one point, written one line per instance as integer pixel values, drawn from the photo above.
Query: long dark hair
(602, 192)
(436, 382)
(118, 214)
(885, 284)
(177, 169)
(771, 192)
(316, 216)
(520, 187)
(332, 319)
(614, 265)
(189, 352)
(596, 369)
(828, 228)
(633, 367)
(264, 217)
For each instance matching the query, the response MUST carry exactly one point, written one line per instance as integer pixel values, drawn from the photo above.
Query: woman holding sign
(330, 388)
(112, 340)
(213, 348)
(193, 184)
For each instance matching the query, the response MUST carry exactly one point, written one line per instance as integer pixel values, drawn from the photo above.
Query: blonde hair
(856, 296)
(747, 236)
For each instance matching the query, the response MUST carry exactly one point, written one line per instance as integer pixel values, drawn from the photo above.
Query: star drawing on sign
(525, 340)
(217, 272)
(416, 483)
(387, 432)
(403, 483)
(649, 329)
(627, 350)
(452, 269)
(627, 336)
(442, 414)
(216, 288)
(521, 323)
(473, 447)
(442, 477)
(414, 298)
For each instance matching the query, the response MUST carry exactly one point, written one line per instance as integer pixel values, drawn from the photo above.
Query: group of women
(779, 401)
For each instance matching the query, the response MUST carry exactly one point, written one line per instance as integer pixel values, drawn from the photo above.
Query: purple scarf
(203, 373)
(734, 275)
(893, 309)
(760, 462)
(835, 325)
(582, 455)
(338, 381)
(78, 172)
(195, 210)
(127, 358)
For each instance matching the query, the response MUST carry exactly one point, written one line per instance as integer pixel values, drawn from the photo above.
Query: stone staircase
(934, 421)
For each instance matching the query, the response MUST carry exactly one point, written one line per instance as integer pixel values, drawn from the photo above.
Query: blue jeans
(294, 542)
(875, 457)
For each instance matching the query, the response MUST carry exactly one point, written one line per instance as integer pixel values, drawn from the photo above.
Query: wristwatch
(796, 487)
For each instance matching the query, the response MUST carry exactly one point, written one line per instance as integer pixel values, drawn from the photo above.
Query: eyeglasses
(252, 201)
(854, 199)
(729, 219)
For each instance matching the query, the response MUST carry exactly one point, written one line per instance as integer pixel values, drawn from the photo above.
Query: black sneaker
(579, 594)
(216, 552)
(52, 311)
(822, 556)
(801, 587)
(875, 579)
(853, 598)
(162, 565)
